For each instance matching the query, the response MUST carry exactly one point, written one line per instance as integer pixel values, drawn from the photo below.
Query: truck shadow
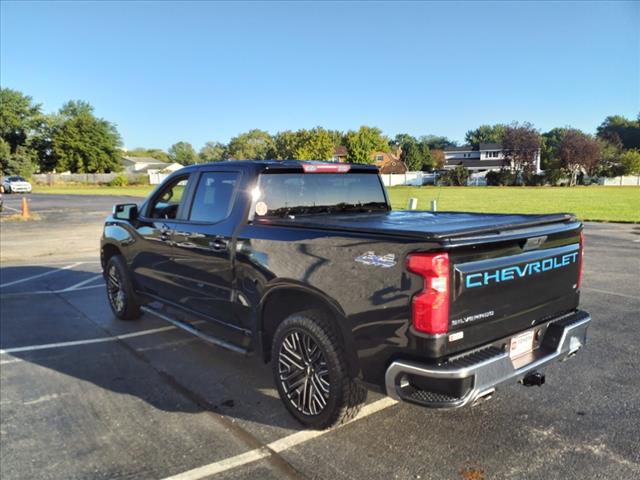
(171, 370)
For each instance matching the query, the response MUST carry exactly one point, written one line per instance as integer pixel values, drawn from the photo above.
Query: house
(339, 154)
(389, 162)
(481, 158)
(146, 164)
(385, 161)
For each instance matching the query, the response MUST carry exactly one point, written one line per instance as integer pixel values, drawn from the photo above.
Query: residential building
(340, 154)
(482, 158)
(388, 162)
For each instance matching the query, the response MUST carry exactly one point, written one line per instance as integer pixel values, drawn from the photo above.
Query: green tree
(610, 161)
(363, 142)
(213, 152)
(83, 143)
(76, 108)
(286, 145)
(416, 154)
(485, 134)
(18, 117)
(23, 162)
(5, 157)
(183, 153)
(315, 144)
(436, 142)
(412, 156)
(550, 144)
(620, 131)
(630, 162)
(252, 145)
(42, 141)
(402, 139)
(337, 137)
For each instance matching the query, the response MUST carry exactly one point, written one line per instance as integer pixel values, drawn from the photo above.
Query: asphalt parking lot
(84, 395)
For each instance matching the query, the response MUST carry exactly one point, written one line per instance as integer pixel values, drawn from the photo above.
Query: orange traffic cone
(25, 208)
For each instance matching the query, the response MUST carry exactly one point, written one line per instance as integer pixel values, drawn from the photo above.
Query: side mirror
(125, 211)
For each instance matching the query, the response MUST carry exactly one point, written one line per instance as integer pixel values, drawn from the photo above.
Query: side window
(167, 204)
(214, 196)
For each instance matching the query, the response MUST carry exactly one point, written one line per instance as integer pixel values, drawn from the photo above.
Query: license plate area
(521, 344)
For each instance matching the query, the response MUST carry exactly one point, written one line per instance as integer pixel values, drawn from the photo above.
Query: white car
(16, 184)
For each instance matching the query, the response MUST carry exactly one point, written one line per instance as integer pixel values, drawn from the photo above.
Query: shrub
(141, 179)
(455, 178)
(553, 176)
(500, 178)
(119, 180)
(533, 180)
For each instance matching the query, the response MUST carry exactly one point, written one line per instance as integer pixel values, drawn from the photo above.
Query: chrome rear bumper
(468, 379)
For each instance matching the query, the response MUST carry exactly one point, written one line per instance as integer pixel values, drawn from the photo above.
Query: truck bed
(423, 225)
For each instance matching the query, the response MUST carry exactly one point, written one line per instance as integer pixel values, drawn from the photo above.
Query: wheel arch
(107, 251)
(283, 300)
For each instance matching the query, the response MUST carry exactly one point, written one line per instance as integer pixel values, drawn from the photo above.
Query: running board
(194, 331)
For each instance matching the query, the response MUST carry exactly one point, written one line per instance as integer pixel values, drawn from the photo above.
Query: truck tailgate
(500, 288)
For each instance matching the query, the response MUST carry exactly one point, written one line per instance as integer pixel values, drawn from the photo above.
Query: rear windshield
(305, 193)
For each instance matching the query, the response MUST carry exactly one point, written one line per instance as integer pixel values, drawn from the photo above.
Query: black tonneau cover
(425, 225)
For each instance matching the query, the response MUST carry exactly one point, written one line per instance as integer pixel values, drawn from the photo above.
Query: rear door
(203, 248)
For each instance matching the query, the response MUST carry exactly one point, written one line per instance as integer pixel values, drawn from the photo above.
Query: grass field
(133, 190)
(609, 204)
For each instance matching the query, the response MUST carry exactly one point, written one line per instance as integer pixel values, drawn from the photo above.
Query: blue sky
(165, 72)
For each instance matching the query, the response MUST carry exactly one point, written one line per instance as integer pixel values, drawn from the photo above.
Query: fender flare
(332, 306)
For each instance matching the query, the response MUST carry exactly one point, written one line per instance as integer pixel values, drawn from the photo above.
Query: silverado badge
(384, 261)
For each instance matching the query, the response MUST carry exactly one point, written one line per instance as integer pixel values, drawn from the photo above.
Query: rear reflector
(323, 168)
(581, 259)
(430, 307)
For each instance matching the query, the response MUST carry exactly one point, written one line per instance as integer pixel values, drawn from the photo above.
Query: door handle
(218, 244)
(165, 233)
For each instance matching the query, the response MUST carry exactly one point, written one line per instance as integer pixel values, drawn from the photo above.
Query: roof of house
(340, 150)
(463, 148)
(476, 163)
(143, 160)
(474, 148)
(490, 146)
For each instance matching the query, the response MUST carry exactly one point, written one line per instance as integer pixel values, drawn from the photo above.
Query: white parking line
(624, 295)
(84, 282)
(87, 341)
(48, 292)
(15, 282)
(274, 447)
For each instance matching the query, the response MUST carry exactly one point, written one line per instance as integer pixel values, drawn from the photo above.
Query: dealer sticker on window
(521, 344)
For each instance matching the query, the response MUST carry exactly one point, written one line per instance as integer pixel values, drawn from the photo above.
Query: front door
(152, 263)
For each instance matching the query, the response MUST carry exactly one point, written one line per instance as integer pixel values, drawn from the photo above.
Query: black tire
(120, 293)
(324, 373)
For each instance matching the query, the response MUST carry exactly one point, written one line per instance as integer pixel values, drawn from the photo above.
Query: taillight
(581, 259)
(430, 307)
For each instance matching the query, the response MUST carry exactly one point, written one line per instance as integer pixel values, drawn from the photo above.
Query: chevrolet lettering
(480, 279)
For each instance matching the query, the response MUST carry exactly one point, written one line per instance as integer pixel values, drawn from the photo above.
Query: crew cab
(306, 265)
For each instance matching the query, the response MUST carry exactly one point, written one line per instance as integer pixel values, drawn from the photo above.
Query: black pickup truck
(306, 265)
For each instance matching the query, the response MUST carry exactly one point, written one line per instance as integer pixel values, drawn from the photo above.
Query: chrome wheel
(115, 290)
(303, 373)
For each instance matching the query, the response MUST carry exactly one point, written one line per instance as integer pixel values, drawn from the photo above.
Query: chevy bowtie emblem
(384, 261)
